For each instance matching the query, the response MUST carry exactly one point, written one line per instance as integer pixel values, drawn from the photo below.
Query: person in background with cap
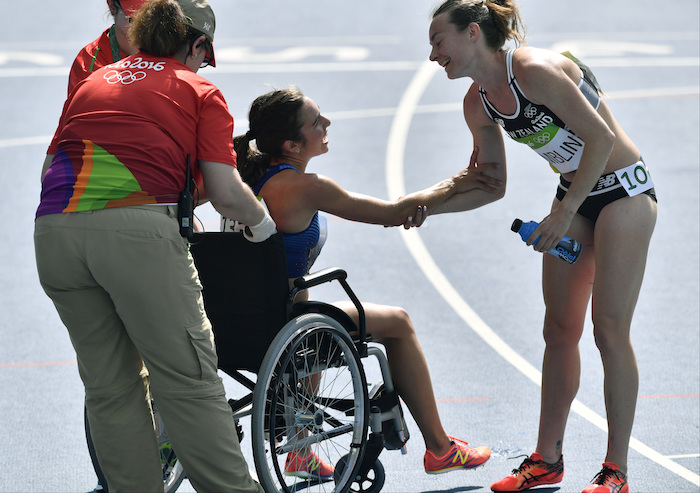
(111, 46)
(110, 255)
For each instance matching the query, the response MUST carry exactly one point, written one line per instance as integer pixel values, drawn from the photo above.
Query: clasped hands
(475, 176)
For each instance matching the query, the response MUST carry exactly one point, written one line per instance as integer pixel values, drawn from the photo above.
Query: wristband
(261, 231)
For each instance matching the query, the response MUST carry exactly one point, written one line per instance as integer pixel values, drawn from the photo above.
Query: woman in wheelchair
(288, 131)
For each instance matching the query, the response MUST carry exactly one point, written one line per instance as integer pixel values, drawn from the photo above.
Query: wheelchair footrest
(393, 426)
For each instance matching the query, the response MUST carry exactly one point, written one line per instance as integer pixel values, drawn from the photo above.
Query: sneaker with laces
(308, 467)
(459, 456)
(532, 472)
(608, 480)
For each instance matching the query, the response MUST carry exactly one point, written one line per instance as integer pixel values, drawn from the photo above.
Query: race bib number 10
(635, 178)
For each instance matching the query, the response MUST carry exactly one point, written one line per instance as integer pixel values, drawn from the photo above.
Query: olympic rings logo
(126, 77)
(530, 112)
(542, 138)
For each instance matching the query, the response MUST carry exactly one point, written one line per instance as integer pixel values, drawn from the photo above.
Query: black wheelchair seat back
(245, 290)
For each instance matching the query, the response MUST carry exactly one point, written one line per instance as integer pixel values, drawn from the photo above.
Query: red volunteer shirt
(125, 134)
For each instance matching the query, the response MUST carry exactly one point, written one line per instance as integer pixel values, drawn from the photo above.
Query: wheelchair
(310, 390)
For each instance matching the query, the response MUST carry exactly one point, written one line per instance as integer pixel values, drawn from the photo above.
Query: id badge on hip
(635, 178)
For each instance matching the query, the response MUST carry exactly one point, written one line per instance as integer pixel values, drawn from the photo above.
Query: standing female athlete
(605, 200)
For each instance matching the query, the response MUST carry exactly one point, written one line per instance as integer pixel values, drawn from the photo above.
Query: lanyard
(114, 44)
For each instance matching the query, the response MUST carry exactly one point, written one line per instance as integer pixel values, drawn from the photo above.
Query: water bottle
(567, 249)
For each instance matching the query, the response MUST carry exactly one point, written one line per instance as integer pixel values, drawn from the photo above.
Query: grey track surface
(357, 59)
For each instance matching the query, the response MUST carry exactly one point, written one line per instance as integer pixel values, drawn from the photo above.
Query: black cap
(517, 224)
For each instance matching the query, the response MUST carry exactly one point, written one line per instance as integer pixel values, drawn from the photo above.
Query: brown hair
(273, 119)
(161, 28)
(499, 20)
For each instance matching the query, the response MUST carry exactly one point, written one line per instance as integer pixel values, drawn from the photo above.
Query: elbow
(220, 200)
(225, 204)
(494, 197)
(609, 140)
(500, 193)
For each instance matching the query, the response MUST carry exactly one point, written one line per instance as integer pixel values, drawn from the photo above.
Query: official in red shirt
(111, 257)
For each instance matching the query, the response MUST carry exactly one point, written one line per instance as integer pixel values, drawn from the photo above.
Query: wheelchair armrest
(328, 275)
(320, 277)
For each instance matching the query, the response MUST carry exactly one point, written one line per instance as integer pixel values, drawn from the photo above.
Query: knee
(401, 317)
(105, 399)
(561, 334)
(403, 322)
(610, 335)
(395, 324)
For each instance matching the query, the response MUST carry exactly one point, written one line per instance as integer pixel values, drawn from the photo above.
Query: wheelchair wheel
(310, 396)
(371, 481)
(173, 473)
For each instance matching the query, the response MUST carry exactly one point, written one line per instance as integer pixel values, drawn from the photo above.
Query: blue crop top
(538, 127)
(304, 247)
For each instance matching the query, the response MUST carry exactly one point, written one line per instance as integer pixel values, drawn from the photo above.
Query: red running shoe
(459, 456)
(307, 467)
(532, 472)
(608, 480)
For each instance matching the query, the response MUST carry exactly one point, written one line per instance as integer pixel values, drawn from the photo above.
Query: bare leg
(623, 232)
(409, 369)
(567, 289)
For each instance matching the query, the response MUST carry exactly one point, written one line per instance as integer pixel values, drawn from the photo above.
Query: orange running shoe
(459, 456)
(307, 467)
(608, 480)
(532, 472)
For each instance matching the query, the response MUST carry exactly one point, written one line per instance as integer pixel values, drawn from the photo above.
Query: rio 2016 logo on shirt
(139, 63)
(136, 73)
(126, 77)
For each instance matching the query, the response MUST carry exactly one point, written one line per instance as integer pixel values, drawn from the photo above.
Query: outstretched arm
(488, 148)
(484, 177)
(409, 210)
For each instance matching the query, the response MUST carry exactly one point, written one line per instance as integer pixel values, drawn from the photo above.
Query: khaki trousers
(126, 288)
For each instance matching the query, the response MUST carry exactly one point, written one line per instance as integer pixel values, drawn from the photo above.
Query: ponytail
(273, 119)
(507, 22)
(251, 163)
(499, 20)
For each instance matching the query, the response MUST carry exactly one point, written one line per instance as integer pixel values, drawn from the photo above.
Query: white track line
(662, 92)
(396, 188)
(25, 141)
